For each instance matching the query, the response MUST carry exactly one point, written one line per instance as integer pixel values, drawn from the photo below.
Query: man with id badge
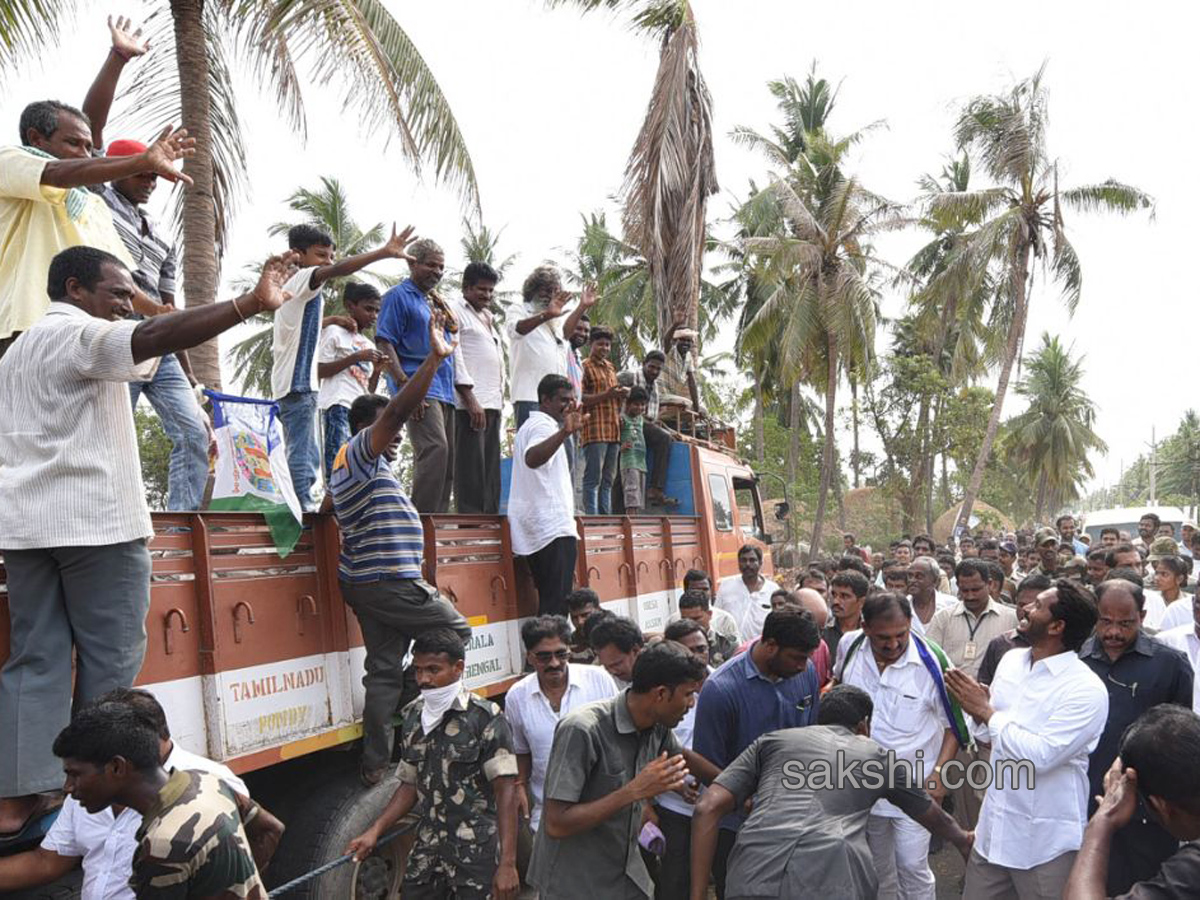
(963, 631)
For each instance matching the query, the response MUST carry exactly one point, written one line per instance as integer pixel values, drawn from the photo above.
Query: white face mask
(437, 702)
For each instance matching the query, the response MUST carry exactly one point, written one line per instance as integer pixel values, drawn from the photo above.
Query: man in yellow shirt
(45, 206)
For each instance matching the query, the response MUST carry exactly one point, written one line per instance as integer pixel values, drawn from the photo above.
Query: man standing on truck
(457, 768)
(79, 577)
(541, 501)
(379, 570)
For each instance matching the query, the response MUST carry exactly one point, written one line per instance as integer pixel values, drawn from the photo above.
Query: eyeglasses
(545, 656)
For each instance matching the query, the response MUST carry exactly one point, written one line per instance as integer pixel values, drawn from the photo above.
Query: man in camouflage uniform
(457, 771)
(1045, 543)
(191, 843)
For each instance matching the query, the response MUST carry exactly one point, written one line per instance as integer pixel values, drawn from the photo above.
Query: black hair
(1153, 517)
(592, 621)
(551, 385)
(1162, 747)
(601, 333)
(144, 704)
(694, 600)
(1108, 529)
(1138, 594)
(619, 631)
(845, 705)
(814, 572)
(750, 548)
(989, 544)
(301, 237)
(100, 732)
(965, 538)
(655, 354)
(1038, 582)
(995, 572)
(852, 563)
(1117, 549)
(884, 603)
(1075, 607)
(43, 117)
(1058, 522)
(357, 292)
(856, 581)
(850, 535)
(1098, 553)
(971, 566)
(665, 664)
(84, 264)
(581, 597)
(540, 628)
(638, 394)
(1124, 573)
(695, 575)
(792, 630)
(440, 640)
(476, 272)
(1176, 564)
(924, 539)
(681, 628)
(364, 410)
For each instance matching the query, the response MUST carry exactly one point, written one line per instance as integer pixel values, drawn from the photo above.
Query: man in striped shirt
(382, 544)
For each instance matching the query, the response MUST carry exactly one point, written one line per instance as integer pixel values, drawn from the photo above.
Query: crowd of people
(1005, 687)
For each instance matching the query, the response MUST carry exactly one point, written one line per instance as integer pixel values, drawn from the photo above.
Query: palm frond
(1067, 271)
(27, 27)
(1108, 196)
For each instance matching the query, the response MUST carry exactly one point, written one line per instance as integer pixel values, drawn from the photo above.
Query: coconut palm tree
(670, 173)
(1021, 222)
(327, 207)
(1052, 438)
(187, 77)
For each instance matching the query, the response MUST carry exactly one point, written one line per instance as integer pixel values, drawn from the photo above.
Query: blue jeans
(336, 422)
(170, 393)
(599, 469)
(298, 415)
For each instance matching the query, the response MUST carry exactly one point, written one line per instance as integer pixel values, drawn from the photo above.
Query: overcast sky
(550, 103)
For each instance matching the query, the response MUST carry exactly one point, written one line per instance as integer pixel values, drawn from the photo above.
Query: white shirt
(106, 843)
(1178, 612)
(480, 354)
(70, 475)
(535, 355)
(541, 501)
(1156, 607)
(908, 716)
(721, 623)
(533, 720)
(1184, 639)
(749, 610)
(336, 343)
(1051, 714)
(685, 731)
(285, 343)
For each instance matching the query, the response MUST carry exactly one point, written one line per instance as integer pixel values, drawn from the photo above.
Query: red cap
(125, 148)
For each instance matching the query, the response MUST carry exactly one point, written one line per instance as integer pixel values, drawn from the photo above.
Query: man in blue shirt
(402, 335)
(770, 686)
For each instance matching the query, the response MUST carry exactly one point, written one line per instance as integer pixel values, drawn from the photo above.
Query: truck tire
(318, 830)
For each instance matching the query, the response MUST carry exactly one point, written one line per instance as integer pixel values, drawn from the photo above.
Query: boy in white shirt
(348, 365)
(294, 346)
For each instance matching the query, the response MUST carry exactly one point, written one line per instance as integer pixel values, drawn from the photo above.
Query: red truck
(258, 661)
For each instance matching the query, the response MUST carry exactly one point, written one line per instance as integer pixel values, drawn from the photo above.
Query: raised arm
(126, 44)
(195, 325)
(663, 774)
(393, 249)
(586, 301)
(552, 311)
(160, 158)
(401, 406)
(540, 454)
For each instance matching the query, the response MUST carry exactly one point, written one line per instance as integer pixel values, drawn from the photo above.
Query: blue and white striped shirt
(382, 536)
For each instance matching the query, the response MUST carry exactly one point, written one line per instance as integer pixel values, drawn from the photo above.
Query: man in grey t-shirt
(813, 789)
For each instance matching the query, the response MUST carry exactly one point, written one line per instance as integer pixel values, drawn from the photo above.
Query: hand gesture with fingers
(269, 291)
(558, 303)
(395, 247)
(575, 418)
(660, 776)
(171, 145)
(438, 342)
(126, 43)
(588, 298)
(1120, 799)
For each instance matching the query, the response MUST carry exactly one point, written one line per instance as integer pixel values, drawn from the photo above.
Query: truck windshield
(749, 511)
(722, 513)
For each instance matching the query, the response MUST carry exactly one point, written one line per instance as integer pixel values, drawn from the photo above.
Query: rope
(330, 866)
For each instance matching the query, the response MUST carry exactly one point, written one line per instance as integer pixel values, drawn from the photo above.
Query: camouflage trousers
(432, 876)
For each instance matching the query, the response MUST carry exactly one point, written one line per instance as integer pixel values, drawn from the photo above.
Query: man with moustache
(1027, 592)
(479, 378)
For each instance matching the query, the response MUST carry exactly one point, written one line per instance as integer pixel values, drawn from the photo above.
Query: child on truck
(348, 365)
(633, 450)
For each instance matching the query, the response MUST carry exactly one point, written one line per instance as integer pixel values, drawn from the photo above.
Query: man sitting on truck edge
(79, 579)
(541, 500)
(379, 570)
(97, 840)
(457, 769)
(190, 842)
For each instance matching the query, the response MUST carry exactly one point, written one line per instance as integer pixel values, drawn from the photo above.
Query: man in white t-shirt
(539, 347)
(105, 842)
(348, 365)
(748, 598)
(297, 328)
(541, 500)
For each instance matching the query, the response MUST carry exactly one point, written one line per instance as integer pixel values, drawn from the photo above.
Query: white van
(1126, 518)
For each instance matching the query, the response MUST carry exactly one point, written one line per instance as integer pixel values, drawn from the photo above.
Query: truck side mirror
(782, 510)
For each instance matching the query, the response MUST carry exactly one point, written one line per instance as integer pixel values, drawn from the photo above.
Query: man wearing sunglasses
(534, 706)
